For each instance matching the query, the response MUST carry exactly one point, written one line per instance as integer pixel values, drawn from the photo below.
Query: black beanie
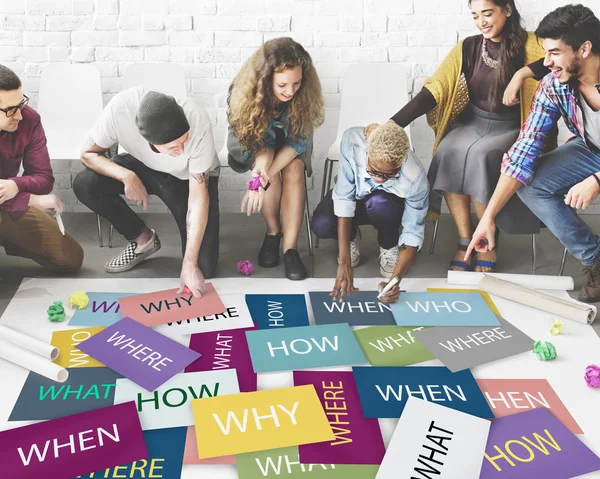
(160, 119)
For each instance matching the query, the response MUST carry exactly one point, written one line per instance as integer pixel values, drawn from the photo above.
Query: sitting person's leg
(460, 209)
(486, 262)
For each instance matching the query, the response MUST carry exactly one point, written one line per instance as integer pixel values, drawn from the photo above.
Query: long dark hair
(512, 53)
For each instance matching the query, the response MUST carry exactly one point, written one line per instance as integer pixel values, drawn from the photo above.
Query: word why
(450, 308)
(364, 307)
(303, 346)
(530, 452)
(93, 390)
(167, 304)
(243, 425)
(228, 314)
(386, 344)
(222, 351)
(530, 398)
(182, 397)
(145, 468)
(431, 394)
(335, 408)
(429, 459)
(140, 349)
(277, 470)
(476, 339)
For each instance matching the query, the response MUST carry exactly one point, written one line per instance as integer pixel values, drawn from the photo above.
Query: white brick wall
(212, 37)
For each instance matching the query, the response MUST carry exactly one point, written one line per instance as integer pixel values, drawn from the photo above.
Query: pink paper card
(511, 396)
(190, 455)
(161, 307)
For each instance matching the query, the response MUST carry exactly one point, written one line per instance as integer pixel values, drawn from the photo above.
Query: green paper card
(392, 345)
(284, 463)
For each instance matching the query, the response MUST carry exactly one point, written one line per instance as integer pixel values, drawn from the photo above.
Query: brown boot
(590, 293)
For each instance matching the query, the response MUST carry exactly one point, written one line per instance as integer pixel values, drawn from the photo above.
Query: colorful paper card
(463, 347)
(259, 421)
(102, 310)
(190, 455)
(384, 390)
(225, 350)
(165, 454)
(436, 440)
(284, 463)
(358, 440)
(85, 390)
(74, 445)
(392, 345)
(361, 308)
(486, 297)
(278, 310)
(306, 347)
(535, 444)
(170, 404)
(139, 353)
(443, 309)
(167, 306)
(511, 396)
(67, 342)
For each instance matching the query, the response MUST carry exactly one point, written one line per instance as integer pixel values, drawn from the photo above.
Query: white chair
(364, 102)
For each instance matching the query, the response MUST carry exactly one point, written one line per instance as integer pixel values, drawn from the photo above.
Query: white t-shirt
(117, 125)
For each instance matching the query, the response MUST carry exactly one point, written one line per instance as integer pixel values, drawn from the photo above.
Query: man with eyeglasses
(170, 153)
(381, 183)
(26, 228)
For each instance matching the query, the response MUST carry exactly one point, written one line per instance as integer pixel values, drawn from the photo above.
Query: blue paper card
(276, 311)
(286, 349)
(102, 310)
(361, 308)
(443, 309)
(384, 391)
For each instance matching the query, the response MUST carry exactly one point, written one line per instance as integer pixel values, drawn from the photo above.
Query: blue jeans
(556, 173)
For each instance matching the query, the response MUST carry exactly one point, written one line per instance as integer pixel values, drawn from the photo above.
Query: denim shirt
(354, 183)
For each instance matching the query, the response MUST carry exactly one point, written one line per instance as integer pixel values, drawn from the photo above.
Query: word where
(228, 314)
(140, 349)
(385, 344)
(276, 467)
(429, 393)
(476, 339)
(94, 390)
(146, 468)
(524, 445)
(335, 410)
(168, 396)
(304, 346)
(430, 459)
(243, 424)
(178, 302)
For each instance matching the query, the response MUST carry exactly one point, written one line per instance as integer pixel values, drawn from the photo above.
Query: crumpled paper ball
(545, 350)
(79, 299)
(245, 267)
(56, 312)
(557, 327)
(592, 376)
(254, 184)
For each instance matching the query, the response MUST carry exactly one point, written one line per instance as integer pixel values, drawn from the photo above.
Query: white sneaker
(354, 250)
(387, 261)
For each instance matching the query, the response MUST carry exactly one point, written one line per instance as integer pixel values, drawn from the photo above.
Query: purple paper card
(358, 440)
(225, 350)
(74, 445)
(139, 353)
(535, 444)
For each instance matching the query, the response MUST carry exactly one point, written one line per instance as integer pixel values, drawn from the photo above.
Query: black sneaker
(294, 267)
(268, 256)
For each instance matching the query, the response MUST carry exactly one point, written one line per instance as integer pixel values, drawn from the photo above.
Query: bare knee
(294, 171)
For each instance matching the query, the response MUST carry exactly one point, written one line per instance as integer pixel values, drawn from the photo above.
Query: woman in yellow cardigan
(473, 128)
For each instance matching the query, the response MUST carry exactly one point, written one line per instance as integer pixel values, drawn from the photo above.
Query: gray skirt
(468, 162)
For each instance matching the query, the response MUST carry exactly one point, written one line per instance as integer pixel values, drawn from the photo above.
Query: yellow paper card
(486, 296)
(67, 341)
(259, 421)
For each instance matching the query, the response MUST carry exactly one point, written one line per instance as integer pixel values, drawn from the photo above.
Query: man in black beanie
(170, 154)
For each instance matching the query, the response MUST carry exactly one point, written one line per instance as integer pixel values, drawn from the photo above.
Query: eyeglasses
(12, 111)
(383, 176)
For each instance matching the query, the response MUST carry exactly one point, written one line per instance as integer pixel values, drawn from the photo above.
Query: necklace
(490, 62)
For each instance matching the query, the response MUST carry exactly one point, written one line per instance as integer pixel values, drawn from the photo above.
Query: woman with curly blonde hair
(274, 105)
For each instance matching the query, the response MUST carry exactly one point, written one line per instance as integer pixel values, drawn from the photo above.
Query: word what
(389, 343)
(223, 348)
(53, 393)
(434, 445)
(276, 467)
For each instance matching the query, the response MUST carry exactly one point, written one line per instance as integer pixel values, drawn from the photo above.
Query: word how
(476, 339)
(335, 410)
(450, 308)
(433, 391)
(52, 393)
(243, 425)
(176, 397)
(386, 344)
(303, 346)
(140, 349)
(515, 399)
(145, 468)
(275, 314)
(530, 454)
(167, 304)
(430, 459)
(363, 307)
(228, 314)
(270, 465)
(222, 352)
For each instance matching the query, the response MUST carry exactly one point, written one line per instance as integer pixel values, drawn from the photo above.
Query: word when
(275, 314)
(96, 307)
(431, 389)
(228, 314)
(147, 469)
(365, 307)
(427, 460)
(222, 352)
(335, 407)
(476, 339)
(450, 308)
(183, 397)
(530, 398)
(167, 304)
(135, 351)
(386, 344)
(243, 425)
(76, 357)
(304, 343)
(531, 454)
(277, 470)
(93, 390)
(83, 438)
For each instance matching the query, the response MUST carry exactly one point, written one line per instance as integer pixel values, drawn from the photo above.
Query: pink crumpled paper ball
(245, 267)
(592, 376)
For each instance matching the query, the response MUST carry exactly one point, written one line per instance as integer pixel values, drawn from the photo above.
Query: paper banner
(361, 308)
(225, 350)
(392, 345)
(102, 310)
(511, 396)
(67, 341)
(170, 404)
(259, 421)
(535, 444)
(305, 347)
(357, 440)
(461, 348)
(190, 455)
(486, 297)
(384, 390)
(443, 309)
(278, 310)
(139, 353)
(168, 306)
(70, 446)
(85, 390)
(436, 440)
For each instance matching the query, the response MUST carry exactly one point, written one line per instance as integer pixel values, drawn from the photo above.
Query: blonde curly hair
(389, 144)
(251, 101)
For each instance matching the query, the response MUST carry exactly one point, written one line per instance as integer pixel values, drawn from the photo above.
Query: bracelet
(595, 175)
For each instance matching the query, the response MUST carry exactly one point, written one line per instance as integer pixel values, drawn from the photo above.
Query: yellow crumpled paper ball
(79, 299)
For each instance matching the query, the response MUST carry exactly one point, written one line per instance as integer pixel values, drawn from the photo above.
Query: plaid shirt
(551, 101)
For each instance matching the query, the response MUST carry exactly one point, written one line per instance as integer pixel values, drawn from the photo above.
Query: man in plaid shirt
(555, 184)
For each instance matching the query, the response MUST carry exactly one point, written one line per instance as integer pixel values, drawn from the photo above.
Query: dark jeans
(102, 195)
(380, 209)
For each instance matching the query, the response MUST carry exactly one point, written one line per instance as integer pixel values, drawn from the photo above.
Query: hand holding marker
(389, 286)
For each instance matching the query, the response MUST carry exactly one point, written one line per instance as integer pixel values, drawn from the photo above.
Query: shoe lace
(388, 256)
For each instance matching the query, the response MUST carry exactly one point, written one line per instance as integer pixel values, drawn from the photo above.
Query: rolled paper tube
(573, 310)
(36, 346)
(550, 283)
(33, 362)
